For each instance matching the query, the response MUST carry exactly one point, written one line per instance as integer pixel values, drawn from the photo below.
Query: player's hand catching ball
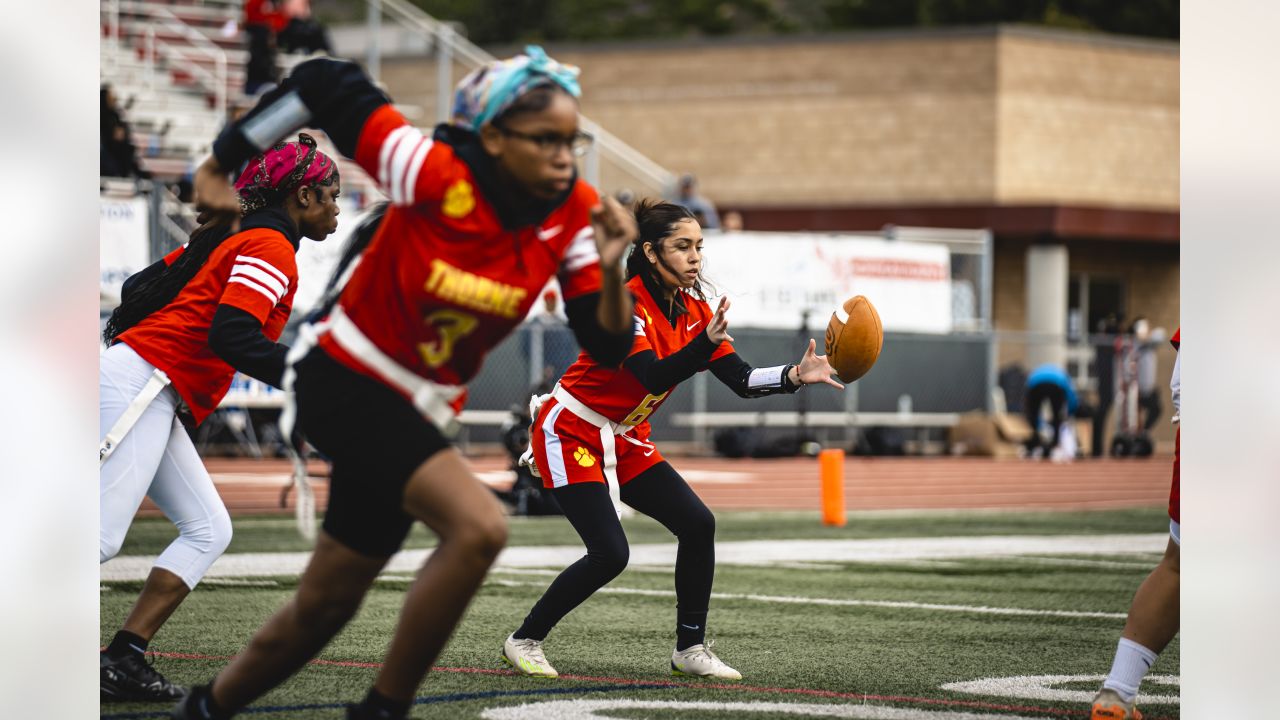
(814, 368)
(718, 328)
(615, 230)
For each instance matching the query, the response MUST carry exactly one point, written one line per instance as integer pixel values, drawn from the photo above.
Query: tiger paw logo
(459, 200)
(584, 458)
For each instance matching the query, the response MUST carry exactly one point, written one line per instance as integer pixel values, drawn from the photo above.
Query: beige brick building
(1045, 137)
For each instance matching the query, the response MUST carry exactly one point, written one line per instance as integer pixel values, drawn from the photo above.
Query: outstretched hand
(215, 199)
(615, 230)
(718, 328)
(814, 368)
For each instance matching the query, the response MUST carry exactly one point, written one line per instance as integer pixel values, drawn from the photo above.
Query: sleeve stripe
(384, 155)
(284, 279)
(249, 283)
(581, 251)
(400, 163)
(415, 166)
(264, 279)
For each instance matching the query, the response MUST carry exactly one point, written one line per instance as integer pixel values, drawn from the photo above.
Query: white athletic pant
(155, 459)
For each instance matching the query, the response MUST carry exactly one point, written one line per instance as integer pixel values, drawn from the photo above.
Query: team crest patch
(459, 200)
(584, 458)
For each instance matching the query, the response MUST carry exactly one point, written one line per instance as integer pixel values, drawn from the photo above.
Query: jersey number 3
(450, 326)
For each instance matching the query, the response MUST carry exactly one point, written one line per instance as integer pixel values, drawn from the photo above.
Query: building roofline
(1013, 30)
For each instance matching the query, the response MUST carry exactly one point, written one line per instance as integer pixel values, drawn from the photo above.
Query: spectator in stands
(303, 33)
(263, 21)
(117, 156)
(1048, 383)
(732, 221)
(703, 211)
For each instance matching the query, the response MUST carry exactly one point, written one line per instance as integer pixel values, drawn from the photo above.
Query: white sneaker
(525, 657)
(699, 661)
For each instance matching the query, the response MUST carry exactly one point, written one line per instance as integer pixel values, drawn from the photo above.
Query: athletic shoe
(1108, 705)
(699, 661)
(525, 657)
(132, 679)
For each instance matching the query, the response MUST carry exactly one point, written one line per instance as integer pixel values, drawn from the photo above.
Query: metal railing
(450, 47)
(215, 82)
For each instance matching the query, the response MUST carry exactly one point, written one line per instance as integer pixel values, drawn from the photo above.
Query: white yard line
(840, 602)
(749, 553)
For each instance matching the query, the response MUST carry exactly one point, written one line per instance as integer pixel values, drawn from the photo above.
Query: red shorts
(1173, 491)
(568, 449)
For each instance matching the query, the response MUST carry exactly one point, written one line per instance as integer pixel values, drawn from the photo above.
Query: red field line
(697, 685)
(792, 483)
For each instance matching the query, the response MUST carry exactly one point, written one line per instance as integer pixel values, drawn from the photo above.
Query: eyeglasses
(548, 143)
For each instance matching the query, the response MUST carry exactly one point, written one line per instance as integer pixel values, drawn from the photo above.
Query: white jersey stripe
(415, 167)
(399, 168)
(249, 283)
(264, 279)
(284, 279)
(384, 155)
(555, 454)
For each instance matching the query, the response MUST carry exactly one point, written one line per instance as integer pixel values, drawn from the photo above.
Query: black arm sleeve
(604, 347)
(140, 278)
(735, 373)
(658, 376)
(236, 337)
(333, 95)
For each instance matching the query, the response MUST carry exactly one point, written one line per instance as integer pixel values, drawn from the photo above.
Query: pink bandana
(269, 178)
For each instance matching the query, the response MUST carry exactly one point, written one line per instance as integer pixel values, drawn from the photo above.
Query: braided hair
(656, 220)
(157, 291)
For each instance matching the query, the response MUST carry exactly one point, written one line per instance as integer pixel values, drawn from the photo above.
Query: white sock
(1130, 666)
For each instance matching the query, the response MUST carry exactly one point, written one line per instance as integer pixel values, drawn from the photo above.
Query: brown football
(854, 338)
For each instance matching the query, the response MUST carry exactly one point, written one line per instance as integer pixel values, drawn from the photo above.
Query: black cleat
(132, 679)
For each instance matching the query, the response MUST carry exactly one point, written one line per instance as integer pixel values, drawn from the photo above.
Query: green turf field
(860, 639)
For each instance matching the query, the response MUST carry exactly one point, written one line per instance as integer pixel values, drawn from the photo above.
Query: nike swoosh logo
(549, 233)
(693, 326)
(689, 627)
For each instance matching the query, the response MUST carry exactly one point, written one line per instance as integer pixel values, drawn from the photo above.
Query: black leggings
(663, 495)
(1037, 396)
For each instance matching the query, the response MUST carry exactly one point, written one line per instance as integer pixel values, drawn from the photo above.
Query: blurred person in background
(590, 441)
(1049, 384)
(1104, 361)
(483, 213)
(303, 33)
(117, 155)
(1147, 341)
(1154, 616)
(733, 221)
(263, 22)
(702, 209)
(186, 324)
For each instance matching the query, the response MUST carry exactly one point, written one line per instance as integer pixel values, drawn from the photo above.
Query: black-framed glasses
(579, 143)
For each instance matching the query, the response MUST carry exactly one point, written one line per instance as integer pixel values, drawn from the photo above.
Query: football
(854, 338)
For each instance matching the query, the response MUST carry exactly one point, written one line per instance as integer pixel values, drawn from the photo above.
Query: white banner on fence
(771, 278)
(122, 242)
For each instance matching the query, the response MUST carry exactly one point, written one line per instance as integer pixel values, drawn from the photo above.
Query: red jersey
(443, 281)
(255, 271)
(615, 392)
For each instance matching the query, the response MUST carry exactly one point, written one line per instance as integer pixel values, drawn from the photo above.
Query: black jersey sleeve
(236, 337)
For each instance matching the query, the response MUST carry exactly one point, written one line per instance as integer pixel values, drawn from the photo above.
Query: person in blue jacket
(1048, 383)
